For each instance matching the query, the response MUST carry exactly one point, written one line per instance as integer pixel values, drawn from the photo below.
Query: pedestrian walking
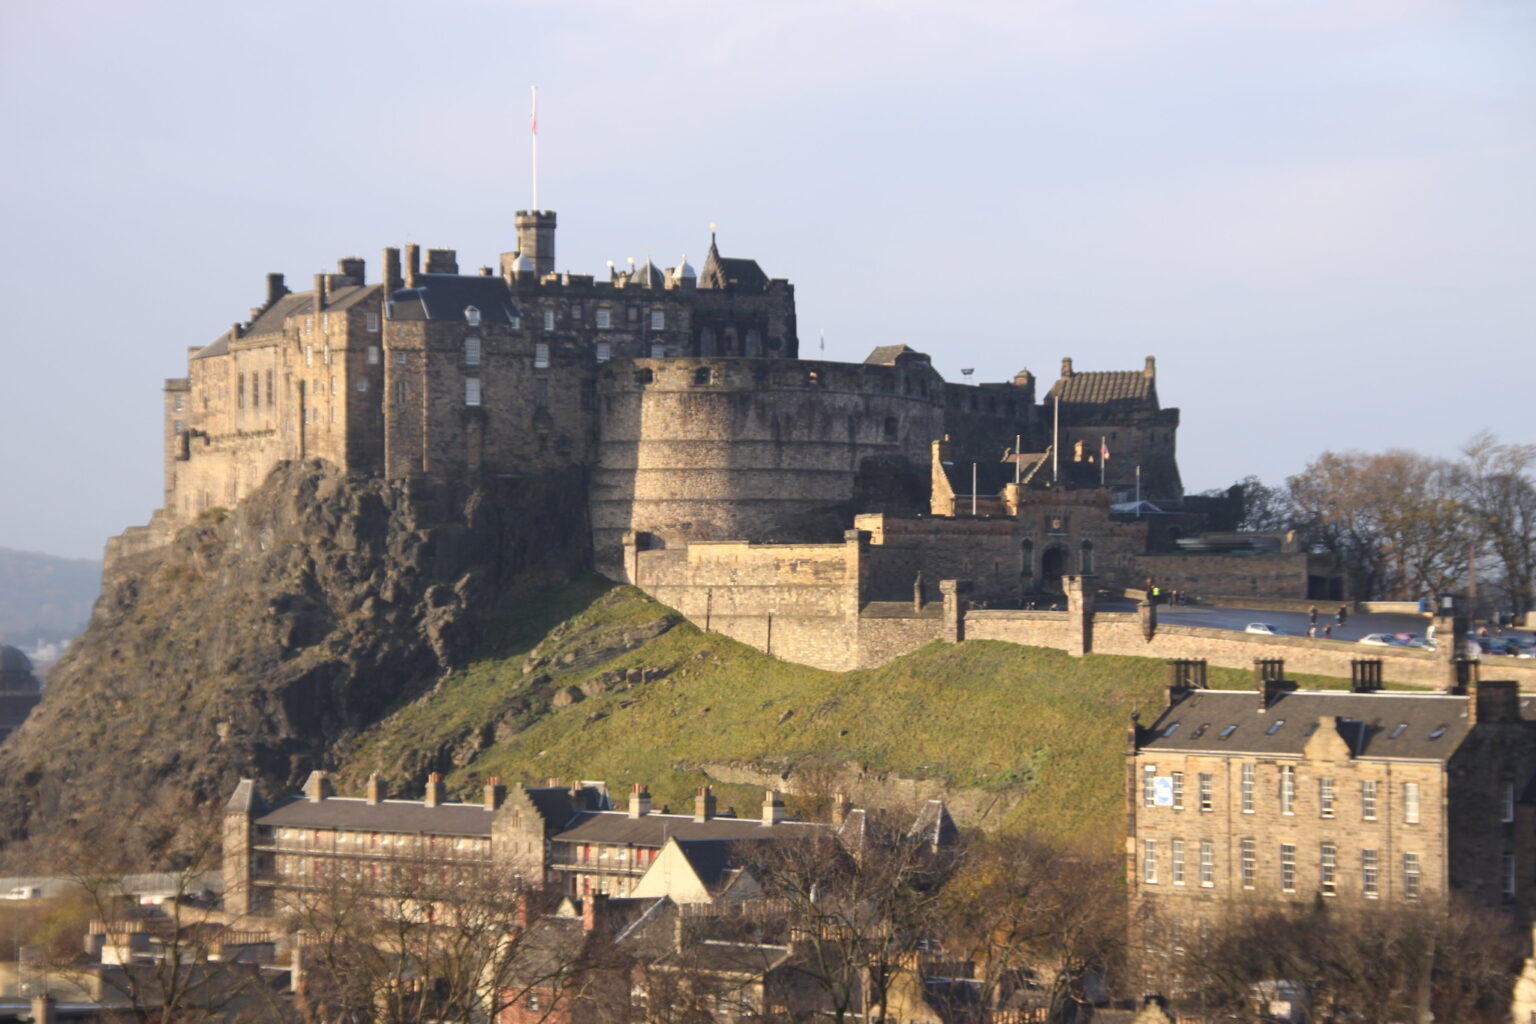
(1312, 615)
(1327, 632)
(1340, 616)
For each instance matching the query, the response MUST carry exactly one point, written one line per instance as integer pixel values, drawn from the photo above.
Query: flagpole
(973, 488)
(1103, 453)
(1018, 446)
(1138, 491)
(1056, 442)
(533, 126)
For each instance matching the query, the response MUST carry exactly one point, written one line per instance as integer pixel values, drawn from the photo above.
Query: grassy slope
(1020, 721)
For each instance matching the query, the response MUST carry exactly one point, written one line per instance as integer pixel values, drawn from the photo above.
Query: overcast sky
(1319, 216)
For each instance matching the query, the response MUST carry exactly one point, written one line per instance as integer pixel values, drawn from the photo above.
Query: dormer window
(472, 316)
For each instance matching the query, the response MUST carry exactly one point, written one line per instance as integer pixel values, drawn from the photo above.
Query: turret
(536, 238)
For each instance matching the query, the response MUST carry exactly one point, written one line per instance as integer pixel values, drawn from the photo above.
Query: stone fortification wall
(750, 449)
(881, 637)
(795, 601)
(1261, 575)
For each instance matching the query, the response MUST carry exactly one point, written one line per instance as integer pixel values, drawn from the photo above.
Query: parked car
(1380, 640)
(24, 892)
(1420, 641)
(1265, 628)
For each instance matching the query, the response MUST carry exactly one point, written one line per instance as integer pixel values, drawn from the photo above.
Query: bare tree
(1499, 486)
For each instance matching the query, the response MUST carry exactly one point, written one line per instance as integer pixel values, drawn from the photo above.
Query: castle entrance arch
(1053, 566)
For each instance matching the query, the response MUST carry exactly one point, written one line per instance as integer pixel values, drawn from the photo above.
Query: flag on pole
(1103, 450)
(533, 120)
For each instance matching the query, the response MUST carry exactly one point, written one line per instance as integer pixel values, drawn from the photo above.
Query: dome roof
(522, 265)
(683, 272)
(12, 660)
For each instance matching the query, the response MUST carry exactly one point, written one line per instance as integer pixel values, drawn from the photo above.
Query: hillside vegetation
(597, 681)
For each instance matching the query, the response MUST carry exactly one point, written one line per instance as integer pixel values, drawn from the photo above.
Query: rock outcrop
(263, 636)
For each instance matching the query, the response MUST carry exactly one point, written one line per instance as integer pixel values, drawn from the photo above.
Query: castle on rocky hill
(680, 394)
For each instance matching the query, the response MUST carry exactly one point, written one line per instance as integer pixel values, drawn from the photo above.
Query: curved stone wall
(747, 449)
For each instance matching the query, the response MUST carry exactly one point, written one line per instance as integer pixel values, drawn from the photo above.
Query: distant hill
(45, 597)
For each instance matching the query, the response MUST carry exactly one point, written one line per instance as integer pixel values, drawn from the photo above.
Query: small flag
(1103, 450)
(533, 120)
(823, 341)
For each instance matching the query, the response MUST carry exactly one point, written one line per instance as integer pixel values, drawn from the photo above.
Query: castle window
(1506, 801)
(1287, 867)
(1247, 788)
(255, 391)
(333, 414)
(471, 390)
(177, 403)
(333, 384)
(1328, 868)
(702, 375)
(1368, 800)
(270, 394)
(373, 323)
(812, 378)
(400, 391)
(658, 320)
(1325, 798)
(309, 325)
(515, 322)
(326, 353)
(658, 350)
(1087, 547)
(1509, 875)
(541, 393)
(1149, 861)
(1027, 558)
(1178, 783)
(890, 428)
(589, 396)
(472, 316)
(362, 385)
(178, 427)
(604, 319)
(373, 355)
(1248, 863)
(1207, 863)
(240, 392)
(1370, 882)
(471, 351)
(754, 342)
(399, 358)
(1149, 785)
(1177, 871)
(1207, 800)
(541, 356)
(604, 351)
(644, 376)
(575, 312)
(1411, 802)
(707, 341)
(549, 319)
(1410, 876)
(1287, 789)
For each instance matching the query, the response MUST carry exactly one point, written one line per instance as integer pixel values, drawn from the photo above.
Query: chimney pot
(375, 788)
(639, 801)
(773, 807)
(704, 804)
(494, 793)
(412, 265)
(1066, 367)
(434, 794)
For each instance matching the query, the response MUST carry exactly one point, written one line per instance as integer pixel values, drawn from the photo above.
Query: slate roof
(990, 477)
(731, 274)
(247, 799)
(1433, 725)
(410, 816)
(934, 825)
(718, 957)
(446, 296)
(656, 829)
(890, 355)
(271, 319)
(1111, 390)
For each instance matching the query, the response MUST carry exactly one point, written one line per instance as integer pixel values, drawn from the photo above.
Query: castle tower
(536, 238)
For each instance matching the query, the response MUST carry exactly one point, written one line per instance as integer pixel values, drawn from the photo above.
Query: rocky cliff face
(262, 637)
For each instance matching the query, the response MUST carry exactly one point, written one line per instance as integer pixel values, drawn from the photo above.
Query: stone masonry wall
(1250, 575)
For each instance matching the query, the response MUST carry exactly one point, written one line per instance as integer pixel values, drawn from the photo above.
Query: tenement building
(1285, 796)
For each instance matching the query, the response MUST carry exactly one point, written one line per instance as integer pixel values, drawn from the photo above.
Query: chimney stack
(594, 911)
(1269, 680)
(275, 288)
(1066, 367)
(351, 268)
(442, 261)
(1494, 700)
(773, 807)
(322, 286)
(392, 281)
(703, 803)
(639, 801)
(434, 789)
(375, 789)
(495, 794)
(317, 787)
(1150, 372)
(412, 265)
(841, 805)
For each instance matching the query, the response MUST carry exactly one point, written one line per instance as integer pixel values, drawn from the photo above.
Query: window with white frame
(1411, 802)
(401, 391)
(326, 353)
(1368, 799)
(1248, 862)
(1287, 789)
(362, 385)
(373, 355)
(1207, 788)
(471, 390)
(373, 323)
(178, 402)
(1149, 785)
(1246, 788)
(1178, 791)
(541, 356)
(309, 325)
(1177, 871)
(658, 320)
(1509, 875)
(1328, 867)
(471, 351)
(1149, 861)
(604, 351)
(604, 319)
(309, 355)
(472, 316)
(1325, 798)
(1506, 801)
(1287, 867)
(1370, 874)
(1410, 876)
(333, 385)
(1207, 863)
(549, 319)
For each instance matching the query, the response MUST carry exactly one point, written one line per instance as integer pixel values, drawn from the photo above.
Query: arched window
(890, 428)
(1087, 556)
(644, 376)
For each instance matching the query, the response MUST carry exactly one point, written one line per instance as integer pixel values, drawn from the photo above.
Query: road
(1293, 623)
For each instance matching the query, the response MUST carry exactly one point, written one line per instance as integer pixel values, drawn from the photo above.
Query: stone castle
(723, 471)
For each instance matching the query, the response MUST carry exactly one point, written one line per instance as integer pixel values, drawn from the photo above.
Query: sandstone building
(1284, 796)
